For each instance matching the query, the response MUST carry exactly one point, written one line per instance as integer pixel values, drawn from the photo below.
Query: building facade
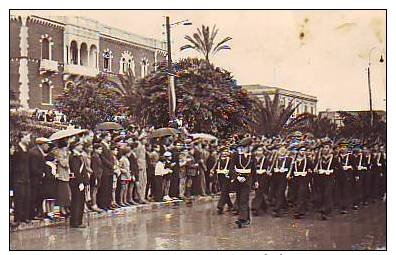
(47, 53)
(307, 103)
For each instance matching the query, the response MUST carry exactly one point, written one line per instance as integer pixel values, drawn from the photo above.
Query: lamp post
(381, 60)
(171, 86)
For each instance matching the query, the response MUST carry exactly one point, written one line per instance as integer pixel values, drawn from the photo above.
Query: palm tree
(274, 116)
(203, 41)
(359, 126)
(310, 123)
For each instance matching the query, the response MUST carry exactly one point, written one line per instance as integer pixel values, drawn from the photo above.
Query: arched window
(126, 63)
(45, 93)
(73, 53)
(84, 55)
(93, 56)
(144, 67)
(45, 48)
(107, 57)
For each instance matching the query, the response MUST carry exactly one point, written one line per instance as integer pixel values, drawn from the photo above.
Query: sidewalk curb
(116, 213)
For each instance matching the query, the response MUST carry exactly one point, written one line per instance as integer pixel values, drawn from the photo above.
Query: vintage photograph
(198, 129)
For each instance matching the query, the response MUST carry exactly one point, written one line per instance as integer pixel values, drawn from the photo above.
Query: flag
(172, 96)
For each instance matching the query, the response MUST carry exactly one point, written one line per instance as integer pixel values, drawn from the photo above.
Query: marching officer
(262, 164)
(223, 166)
(243, 175)
(299, 171)
(344, 177)
(325, 182)
(280, 165)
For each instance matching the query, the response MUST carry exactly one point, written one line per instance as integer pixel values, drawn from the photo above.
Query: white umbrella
(66, 133)
(203, 136)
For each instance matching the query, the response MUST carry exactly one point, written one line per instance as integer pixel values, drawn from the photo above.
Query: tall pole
(370, 98)
(168, 40)
(170, 78)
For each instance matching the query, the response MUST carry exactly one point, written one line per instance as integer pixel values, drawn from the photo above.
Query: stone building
(307, 103)
(46, 53)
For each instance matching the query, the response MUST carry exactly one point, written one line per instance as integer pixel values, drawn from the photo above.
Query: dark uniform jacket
(261, 165)
(97, 166)
(75, 163)
(346, 160)
(107, 161)
(240, 161)
(21, 173)
(278, 162)
(37, 165)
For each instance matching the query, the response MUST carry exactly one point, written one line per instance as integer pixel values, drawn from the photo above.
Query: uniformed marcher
(344, 178)
(378, 173)
(363, 166)
(243, 175)
(325, 169)
(281, 165)
(262, 164)
(299, 171)
(222, 168)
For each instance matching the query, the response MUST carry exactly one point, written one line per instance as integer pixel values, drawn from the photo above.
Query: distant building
(46, 53)
(335, 117)
(307, 102)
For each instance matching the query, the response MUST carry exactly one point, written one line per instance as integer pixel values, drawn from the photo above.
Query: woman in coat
(63, 194)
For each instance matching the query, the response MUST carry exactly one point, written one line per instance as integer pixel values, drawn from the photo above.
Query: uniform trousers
(279, 183)
(242, 193)
(158, 188)
(259, 202)
(344, 185)
(104, 191)
(77, 204)
(22, 201)
(36, 198)
(225, 192)
(325, 186)
(301, 192)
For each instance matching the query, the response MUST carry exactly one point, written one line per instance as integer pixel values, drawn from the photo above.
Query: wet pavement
(199, 227)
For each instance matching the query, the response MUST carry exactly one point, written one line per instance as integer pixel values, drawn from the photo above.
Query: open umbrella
(66, 133)
(161, 132)
(203, 136)
(108, 126)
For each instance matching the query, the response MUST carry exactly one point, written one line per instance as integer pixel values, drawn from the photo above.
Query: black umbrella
(108, 126)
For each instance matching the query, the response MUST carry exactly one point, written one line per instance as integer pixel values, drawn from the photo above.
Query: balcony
(47, 65)
(81, 70)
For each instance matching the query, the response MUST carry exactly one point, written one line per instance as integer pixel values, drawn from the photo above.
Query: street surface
(199, 227)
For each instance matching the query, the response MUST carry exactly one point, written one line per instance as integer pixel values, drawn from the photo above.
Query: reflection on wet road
(199, 227)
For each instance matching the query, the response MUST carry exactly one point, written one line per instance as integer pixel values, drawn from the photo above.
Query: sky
(320, 53)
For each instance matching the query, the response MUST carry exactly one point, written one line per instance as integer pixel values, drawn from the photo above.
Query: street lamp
(381, 60)
(171, 86)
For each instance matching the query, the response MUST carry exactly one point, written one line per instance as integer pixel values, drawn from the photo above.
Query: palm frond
(221, 43)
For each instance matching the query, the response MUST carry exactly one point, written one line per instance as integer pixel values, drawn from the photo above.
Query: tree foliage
(203, 41)
(358, 125)
(310, 123)
(207, 99)
(273, 116)
(90, 101)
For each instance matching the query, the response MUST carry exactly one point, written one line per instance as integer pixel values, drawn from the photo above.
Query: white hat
(168, 154)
